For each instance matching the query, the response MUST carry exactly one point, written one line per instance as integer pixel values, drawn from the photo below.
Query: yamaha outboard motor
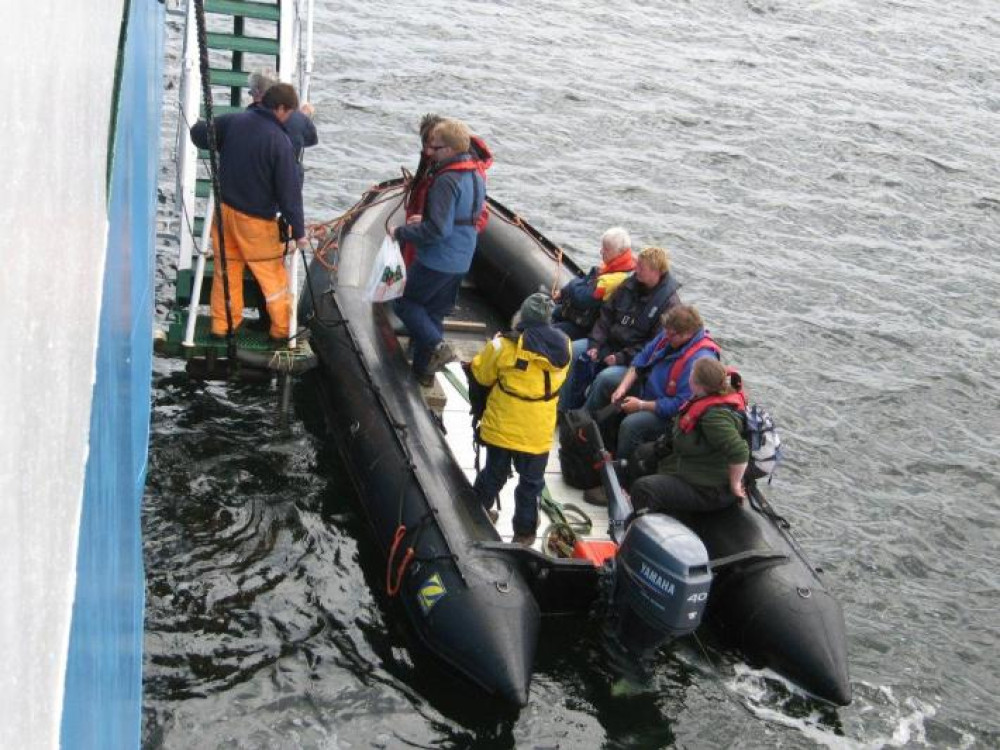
(662, 580)
(661, 571)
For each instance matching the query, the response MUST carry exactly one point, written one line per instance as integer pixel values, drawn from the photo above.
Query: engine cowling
(662, 582)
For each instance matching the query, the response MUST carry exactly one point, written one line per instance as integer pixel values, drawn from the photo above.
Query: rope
(213, 160)
(330, 227)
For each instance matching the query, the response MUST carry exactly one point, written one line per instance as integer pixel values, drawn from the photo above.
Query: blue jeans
(636, 428)
(530, 469)
(428, 297)
(577, 379)
(604, 385)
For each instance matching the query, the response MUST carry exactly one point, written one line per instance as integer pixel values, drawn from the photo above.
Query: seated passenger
(656, 385)
(580, 300)
(626, 322)
(708, 454)
(525, 370)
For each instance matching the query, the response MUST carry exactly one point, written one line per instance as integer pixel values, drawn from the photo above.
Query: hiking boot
(442, 355)
(494, 515)
(595, 496)
(525, 540)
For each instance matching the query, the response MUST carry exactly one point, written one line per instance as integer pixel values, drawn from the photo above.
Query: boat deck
(458, 426)
(470, 325)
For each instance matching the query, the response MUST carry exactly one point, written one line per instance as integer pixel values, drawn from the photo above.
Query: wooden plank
(453, 325)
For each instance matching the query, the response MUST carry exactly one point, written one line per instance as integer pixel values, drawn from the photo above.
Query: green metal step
(266, 11)
(254, 44)
(227, 77)
(202, 188)
(247, 338)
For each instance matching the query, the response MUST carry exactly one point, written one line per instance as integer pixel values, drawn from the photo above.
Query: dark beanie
(537, 310)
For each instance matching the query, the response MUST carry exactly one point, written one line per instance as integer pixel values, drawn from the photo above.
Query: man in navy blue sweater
(445, 237)
(259, 177)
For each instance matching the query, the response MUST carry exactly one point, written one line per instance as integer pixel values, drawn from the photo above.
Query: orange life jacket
(705, 342)
(695, 408)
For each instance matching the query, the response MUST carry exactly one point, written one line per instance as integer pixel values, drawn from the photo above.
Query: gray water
(826, 177)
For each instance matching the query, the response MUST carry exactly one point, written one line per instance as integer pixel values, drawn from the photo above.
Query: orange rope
(391, 589)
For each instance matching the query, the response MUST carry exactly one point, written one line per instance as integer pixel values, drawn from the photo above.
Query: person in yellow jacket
(524, 370)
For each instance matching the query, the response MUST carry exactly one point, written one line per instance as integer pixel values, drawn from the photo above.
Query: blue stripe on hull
(102, 705)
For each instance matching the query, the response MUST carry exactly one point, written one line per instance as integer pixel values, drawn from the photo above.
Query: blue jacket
(446, 237)
(257, 168)
(655, 361)
(302, 133)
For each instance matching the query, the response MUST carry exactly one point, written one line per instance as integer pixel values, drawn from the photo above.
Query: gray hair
(617, 239)
(260, 81)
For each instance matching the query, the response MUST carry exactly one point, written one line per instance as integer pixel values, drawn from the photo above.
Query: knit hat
(536, 310)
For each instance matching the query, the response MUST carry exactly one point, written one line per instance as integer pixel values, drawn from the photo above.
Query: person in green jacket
(704, 469)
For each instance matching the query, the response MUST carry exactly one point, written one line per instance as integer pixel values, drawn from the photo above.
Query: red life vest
(705, 342)
(417, 198)
(695, 408)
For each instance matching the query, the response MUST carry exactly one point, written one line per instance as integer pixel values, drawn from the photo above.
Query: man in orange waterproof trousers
(259, 178)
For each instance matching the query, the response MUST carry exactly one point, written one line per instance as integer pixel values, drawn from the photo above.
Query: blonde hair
(711, 375)
(655, 257)
(682, 319)
(453, 133)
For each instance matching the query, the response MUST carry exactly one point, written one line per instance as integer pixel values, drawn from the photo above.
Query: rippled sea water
(826, 177)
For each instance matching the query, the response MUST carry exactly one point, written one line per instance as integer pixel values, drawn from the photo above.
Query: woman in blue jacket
(652, 390)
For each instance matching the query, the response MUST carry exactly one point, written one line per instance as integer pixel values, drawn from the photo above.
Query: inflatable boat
(474, 599)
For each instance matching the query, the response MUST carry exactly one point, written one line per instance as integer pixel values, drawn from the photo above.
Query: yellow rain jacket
(526, 371)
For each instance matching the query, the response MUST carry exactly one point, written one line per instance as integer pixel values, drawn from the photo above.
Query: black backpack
(579, 453)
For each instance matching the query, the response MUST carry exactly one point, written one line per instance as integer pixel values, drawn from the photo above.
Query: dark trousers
(661, 493)
(530, 469)
(428, 297)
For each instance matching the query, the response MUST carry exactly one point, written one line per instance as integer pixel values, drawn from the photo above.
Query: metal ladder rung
(236, 43)
(266, 11)
(227, 77)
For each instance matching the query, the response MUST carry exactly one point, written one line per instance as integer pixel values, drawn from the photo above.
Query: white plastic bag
(388, 273)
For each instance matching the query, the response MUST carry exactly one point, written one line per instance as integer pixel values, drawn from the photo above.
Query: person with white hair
(300, 127)
(579, 301)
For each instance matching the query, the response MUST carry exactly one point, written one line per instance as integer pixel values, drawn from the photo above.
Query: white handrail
(305, 76)
(293, 282)
(307, 73)
(186, 153)
(199, 274)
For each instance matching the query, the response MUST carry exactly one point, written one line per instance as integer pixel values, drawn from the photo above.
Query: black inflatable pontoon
(475, 600)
